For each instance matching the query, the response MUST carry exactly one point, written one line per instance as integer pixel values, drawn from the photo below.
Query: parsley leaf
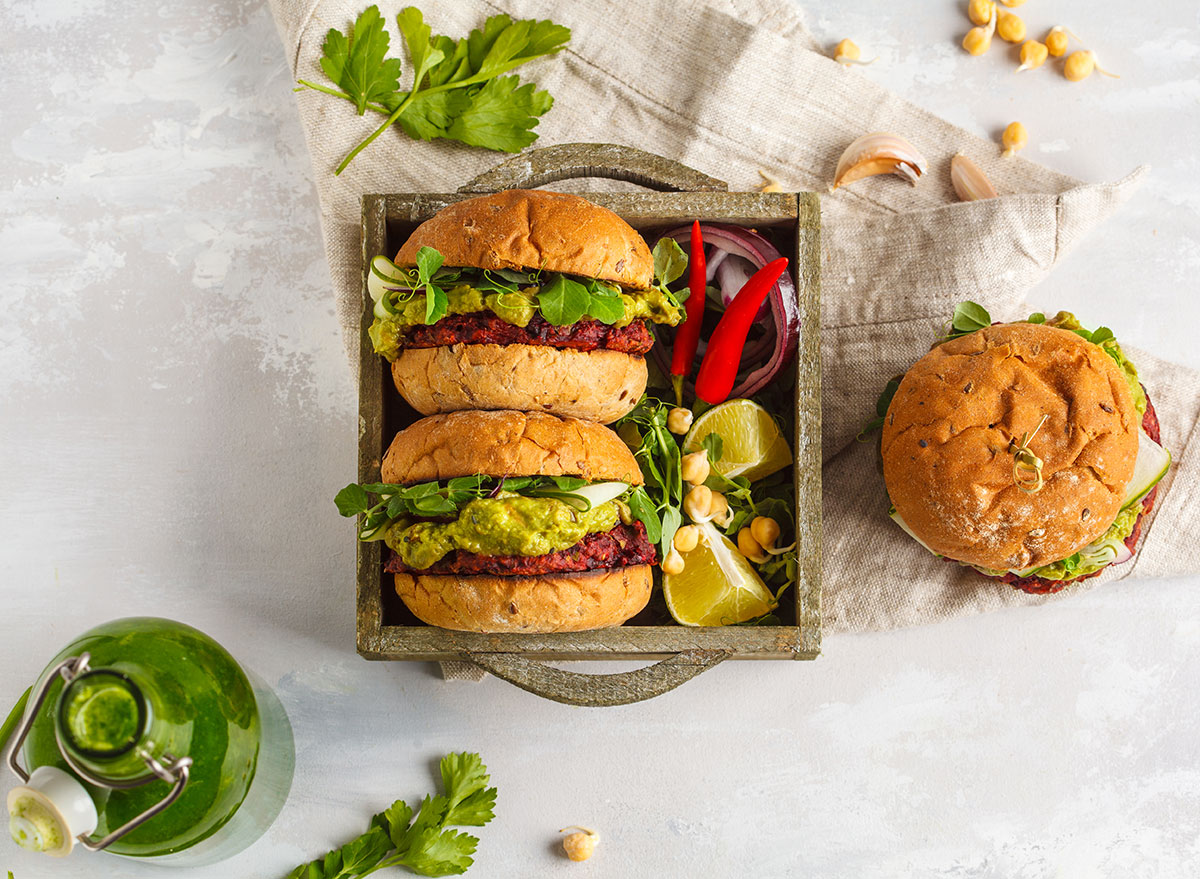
(425, 844)
(458, 90)
(356, 63)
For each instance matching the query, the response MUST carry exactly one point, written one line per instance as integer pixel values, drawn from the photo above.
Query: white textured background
(175, 415)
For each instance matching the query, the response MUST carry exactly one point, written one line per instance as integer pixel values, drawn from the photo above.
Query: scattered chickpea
(694, 467)
(687, 537)
(1079, 66)
(1056, 41)
(749, 547)
(1015, 138)
(1033, 54)
(679, 420)
(581, 844)
(980, 11)
(765, 531)
(847, 53)
(697, 503)
(977, 41)
(671, 564)
(1012, 4)
(1010, 27)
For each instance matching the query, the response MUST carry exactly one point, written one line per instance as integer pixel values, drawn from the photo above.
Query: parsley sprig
(458, 90)
(425, 845)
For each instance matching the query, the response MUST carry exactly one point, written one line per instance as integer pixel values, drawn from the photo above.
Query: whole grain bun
(507, 444)
(598, 385)
(946, 435)
(547, 603)
(531, 229)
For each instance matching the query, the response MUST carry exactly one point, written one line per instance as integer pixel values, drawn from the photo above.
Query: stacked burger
(517, 323)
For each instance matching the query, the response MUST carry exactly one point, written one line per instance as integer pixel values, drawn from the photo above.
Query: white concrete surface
(175, 415)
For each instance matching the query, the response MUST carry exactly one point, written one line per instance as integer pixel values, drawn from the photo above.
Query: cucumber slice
(894, 515)
(1151, 466)
(588, 496)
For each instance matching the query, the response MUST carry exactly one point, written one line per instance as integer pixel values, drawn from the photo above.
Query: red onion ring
(785, 313)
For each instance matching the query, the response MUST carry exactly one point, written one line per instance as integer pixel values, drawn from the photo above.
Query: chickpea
(686, 538)
(977, 41)
(694, 467)
(718, 508)
(1010, 27)
(672, 563)
(1079, 66)
(581, 844)
(697, 503)
(1056, 41)
(980, 11)
(749, 547)
(1015, 138)
(765, 531)
(1033, 54)
(679, 420)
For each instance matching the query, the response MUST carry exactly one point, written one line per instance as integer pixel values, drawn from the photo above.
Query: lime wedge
(752, 444)
(717, 585)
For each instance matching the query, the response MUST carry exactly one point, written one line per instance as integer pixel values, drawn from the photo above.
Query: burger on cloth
(1028, 451)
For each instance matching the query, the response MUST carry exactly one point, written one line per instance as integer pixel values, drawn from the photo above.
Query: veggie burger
(523, 299)
(502, 521)
(1028, 451)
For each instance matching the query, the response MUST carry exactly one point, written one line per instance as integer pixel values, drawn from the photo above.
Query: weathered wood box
(385, 627)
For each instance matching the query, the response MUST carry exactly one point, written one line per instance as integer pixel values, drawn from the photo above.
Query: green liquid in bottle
(162, 687)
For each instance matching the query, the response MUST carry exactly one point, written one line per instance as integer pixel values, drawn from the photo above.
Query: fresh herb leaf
(714, 445)
(658, 456)
(969, 317)
(356, 64)
(643, 510)
(458, 89)
(563, 301)
(352, 500)
(606, 309)
(425, 844)
(669, 261)
(1102, 334)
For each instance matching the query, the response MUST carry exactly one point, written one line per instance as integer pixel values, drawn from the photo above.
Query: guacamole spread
(514, 307)
(504, 525)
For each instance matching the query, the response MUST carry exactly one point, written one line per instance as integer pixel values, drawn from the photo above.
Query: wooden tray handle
(568, 161)
(598, 691)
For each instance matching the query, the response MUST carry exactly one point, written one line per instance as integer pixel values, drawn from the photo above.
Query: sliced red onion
(757, 370)
(714, 262)
(732, 276)
(1124, 553)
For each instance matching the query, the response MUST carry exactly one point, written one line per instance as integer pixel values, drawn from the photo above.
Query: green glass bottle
(155, 712)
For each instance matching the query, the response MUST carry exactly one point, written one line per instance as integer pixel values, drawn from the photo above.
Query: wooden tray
(387, 630)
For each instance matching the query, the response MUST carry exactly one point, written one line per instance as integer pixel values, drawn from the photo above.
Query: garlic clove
(969, 181)
(879, 153)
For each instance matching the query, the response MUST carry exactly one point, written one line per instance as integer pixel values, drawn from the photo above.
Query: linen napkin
(734, 87)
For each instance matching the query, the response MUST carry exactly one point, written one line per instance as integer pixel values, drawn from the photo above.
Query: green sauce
(102, 713)
(201, 704)
(500, 526)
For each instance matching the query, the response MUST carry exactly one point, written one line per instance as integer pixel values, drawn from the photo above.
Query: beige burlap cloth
(732, 87)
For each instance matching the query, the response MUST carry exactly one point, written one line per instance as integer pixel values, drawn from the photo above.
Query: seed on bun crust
(950, 433)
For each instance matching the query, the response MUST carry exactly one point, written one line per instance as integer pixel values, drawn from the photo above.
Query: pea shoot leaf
(352, 500)
(714, 445)
(969, 317)
(563, 301)
(669, 261)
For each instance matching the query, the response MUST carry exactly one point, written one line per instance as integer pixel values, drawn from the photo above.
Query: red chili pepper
(724, 352)
(688, 337)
